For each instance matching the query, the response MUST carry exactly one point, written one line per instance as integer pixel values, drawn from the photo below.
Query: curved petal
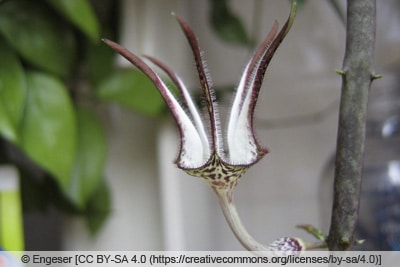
(191, 151)
(208, 91)
(242, 144)
(188, 102)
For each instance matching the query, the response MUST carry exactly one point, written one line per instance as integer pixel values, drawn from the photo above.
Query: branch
(357, 76)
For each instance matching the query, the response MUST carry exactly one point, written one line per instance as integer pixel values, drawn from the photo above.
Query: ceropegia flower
(202, 151)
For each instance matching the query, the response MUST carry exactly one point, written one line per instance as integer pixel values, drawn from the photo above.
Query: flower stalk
(225, 198)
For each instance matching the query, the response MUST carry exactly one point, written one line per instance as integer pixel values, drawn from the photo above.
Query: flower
(202, 152)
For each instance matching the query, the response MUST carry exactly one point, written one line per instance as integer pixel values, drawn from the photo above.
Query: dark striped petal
(205, 81)
(191, 152)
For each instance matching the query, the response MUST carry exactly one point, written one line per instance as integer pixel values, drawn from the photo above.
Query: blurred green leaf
(90, 158)
(81, 14)
(131, 88)
(100, 59)
(12, 92)
(227, 25)
(98, 208)
(48, 132)
(38, 35)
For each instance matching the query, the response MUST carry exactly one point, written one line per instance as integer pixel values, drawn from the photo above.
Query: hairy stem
(357, 75)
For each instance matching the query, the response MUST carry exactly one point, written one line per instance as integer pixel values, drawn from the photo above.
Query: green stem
(357, 76)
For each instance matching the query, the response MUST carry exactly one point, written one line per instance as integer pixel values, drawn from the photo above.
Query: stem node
(376, 76)
(340, 72)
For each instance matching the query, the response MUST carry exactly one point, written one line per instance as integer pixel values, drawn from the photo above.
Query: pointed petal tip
(123, 51)
(186, 28)
(105, 40)
(111, 44)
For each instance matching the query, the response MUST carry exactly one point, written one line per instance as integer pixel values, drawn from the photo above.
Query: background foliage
(48, 126)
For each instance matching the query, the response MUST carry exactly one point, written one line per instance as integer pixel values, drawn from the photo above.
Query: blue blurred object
(380, 207)
(379, 222)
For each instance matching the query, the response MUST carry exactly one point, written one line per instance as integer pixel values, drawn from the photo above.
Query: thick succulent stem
(357, 75)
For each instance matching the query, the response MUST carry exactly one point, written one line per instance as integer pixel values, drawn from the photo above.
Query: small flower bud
(288, 244)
